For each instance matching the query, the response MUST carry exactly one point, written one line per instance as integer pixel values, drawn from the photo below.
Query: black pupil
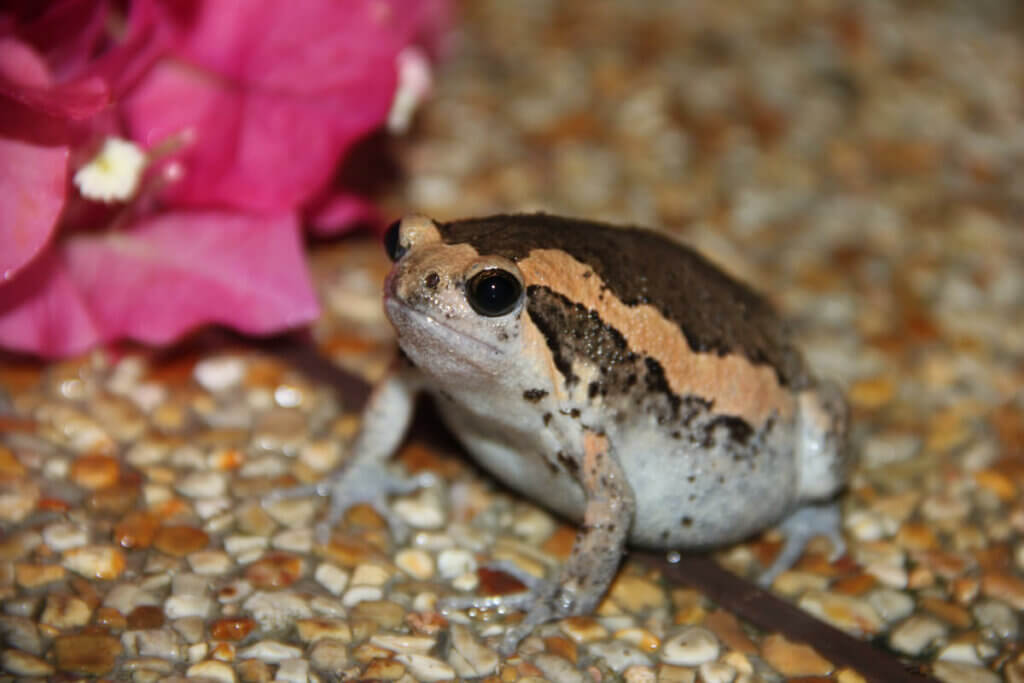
(391, 246)
(494, 292)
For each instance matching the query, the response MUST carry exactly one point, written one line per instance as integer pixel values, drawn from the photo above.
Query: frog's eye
(394, 250)
(494, 292)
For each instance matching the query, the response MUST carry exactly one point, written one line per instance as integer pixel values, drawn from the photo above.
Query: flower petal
(42, 312)
(32, 187)
(177, 271)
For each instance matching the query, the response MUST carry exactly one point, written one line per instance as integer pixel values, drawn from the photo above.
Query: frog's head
(458, 314)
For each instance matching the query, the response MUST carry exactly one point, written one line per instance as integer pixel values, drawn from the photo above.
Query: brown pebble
(916, 536)
(948, 612)
(110, 618)
(730, 631)
(86, 653)
(1004, 587)
(563, 647)
(95, 471)
(254, 671)
(145, 617)
(275, 570)
(793, 659)
(32, 575)
(136, 530)
(180, 540)
(559, 544)
(381, 669)
(95, 561)
(998, 483)
(10, 467)
(231, 629)
(114, 500)
(496, 582)
(858, 584)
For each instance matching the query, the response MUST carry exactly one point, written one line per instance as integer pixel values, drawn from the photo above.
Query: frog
(613, 375)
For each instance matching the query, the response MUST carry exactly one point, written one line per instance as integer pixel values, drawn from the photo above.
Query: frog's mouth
(403, 316)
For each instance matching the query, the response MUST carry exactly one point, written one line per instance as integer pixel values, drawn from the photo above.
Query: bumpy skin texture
(633, 387)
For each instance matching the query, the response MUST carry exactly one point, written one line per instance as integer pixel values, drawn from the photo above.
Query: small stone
(948, 612)
(95, 471)
(180, 540)
(232, 629)
(997, 620)
(893, 576)
(384, 613)
(316, 629)
(639, 674)
(691, 647)
(955, 672)
(557, 669)
(583, 629)
(403, 643)
(277, 609)
(636, 594)
(254, 671)
(849, 614)
(275, 570)
(34, 575)
(793, 659)
(23, 664)
(454, 562)
(102, 562)
(331, 577)
(163, 643)
(916, 634)
(468, 657)
(292, 671)
(370, 575)
(717, 672)
(145, 617)
(136, 530)
(891, 605)
(618, 656)
(179, 606)
(329, 655)
(294, 540)
(220, 373)
(1005, 587)
(208, 484)
(426, 668)
(65, 535)
(21, 633)
(64, 612)
(729, 630)
(416, 563)
(320, 456)
(270, 651)
(963, 652)
(210, 562)
(239, 546)
(421, 512)
(17, 502)
(292, 513)
(213, 670)
(110, 618)
(89, 654)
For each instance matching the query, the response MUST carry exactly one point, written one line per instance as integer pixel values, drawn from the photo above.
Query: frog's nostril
(432, 280)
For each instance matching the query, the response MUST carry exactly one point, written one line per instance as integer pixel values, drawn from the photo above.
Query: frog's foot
(806, 522)
(360, 482)
(542, 601)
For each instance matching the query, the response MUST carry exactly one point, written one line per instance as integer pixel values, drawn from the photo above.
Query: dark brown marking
(534, 395)
(716, 313)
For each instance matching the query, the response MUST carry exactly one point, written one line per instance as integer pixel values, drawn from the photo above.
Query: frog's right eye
(494, 292)
(392, 246)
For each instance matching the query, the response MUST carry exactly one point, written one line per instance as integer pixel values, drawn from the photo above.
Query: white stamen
(114, 173)
(414, 82)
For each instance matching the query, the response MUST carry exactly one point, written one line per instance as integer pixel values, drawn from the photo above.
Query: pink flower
(207, 129)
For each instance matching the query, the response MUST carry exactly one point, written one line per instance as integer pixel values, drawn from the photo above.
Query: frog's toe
(805, 523)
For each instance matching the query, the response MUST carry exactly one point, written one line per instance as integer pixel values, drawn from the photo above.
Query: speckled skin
(633, 388)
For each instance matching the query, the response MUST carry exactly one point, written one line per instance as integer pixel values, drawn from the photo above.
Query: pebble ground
(858, 162)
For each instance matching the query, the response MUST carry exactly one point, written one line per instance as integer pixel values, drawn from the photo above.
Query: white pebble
(203, 485)
(237, 544)
(294, 540)
(64, 535)
(416, 563)
(370, 575)
(214, 670)
(403, 643)
(331, 577)
(178, 606)
(270, 651)
(455, 562)
(358, 594)
(691, 647)
(292, 671)
(277, 610)
(916, 634)
(210, 507)
(421, 512)
(219, 373)
(426, 668)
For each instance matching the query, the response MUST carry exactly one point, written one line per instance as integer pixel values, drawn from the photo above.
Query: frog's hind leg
(595, 556)
(805, 523)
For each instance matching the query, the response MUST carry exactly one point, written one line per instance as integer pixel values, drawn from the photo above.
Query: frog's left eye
(394, 250)
(494, 292)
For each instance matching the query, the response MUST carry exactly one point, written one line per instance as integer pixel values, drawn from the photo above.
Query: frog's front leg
(364, 478)
(596, 553)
